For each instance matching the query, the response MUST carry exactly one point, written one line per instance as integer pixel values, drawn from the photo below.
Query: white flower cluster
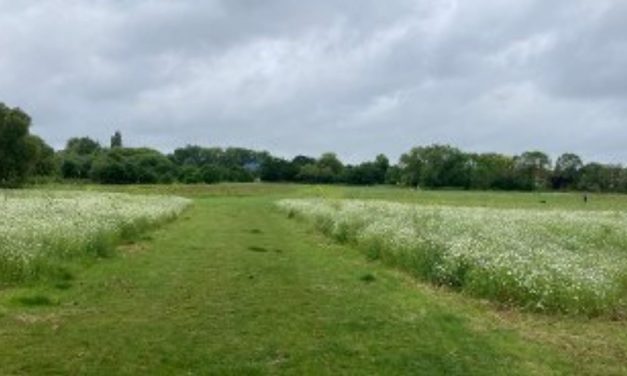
(35, 225)
(552, 260)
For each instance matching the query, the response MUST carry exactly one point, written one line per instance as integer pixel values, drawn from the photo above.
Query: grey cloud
(357, 77)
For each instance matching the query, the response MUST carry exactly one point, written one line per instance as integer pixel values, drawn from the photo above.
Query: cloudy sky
(358, 77)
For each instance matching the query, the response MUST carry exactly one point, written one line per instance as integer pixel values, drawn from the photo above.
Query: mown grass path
(234, 287)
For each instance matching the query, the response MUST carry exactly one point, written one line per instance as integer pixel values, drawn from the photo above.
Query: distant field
(498, 199)
(235, 286)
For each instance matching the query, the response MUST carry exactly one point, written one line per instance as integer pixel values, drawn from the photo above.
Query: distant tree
(532, 170)
(231, 164)
(18, 150)
(132, 166)
(277, 169)
(314, 173)
(491, 171)
(82, 146)
(366, 173)
(239, 174)
(70, 167)
(330, 161)
(45, 163)
(240, 157)
(194, 155)
(393, 175)
(74, 166)
(436, 166)
(212, 173)
(302, 160)
(326, 169)
(382, 163)
(410, 166)
(190, 175)
(567, 171)
(603, 178)
(78, 156)
(116, 140)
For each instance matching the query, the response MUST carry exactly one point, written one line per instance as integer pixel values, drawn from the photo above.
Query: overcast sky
(358, 77)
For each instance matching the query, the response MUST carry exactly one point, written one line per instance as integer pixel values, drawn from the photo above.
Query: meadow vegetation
(545, 260)
(42, 229)
(233, 286)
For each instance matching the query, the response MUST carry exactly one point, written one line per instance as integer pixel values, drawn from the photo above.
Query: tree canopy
(20, 152)
(23, 155)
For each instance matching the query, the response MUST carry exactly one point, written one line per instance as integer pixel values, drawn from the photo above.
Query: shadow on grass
(37, 300)
(257, 249)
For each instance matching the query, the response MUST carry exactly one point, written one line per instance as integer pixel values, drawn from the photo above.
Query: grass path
(234, 287)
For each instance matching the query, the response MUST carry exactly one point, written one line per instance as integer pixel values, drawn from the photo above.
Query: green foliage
(314, 173)
(330, 162)
(492, 171)
(128, 166)
(436, 166)
(116, 140)
(82, 146)
(433, 167)
(18, 150)
(190, 175)
(214, 165)
(278, 170)
(596, 177)
(532, 170)
(46, 162)
(567, 171)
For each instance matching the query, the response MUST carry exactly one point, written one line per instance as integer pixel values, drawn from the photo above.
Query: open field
(234, 286)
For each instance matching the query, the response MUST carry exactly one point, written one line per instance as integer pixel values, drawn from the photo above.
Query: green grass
(566, 261)
(235, 287)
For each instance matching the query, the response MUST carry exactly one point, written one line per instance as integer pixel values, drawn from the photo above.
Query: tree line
(25, 157)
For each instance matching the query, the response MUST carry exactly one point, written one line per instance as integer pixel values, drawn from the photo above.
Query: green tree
(603, 178)
(132, 166)
(567, 171)
(393, 175)
(436, 166)
(190, 175)
(410, 166)
(382, 163)
(532, 170)
(18, 150)
(330, 161)
(277, 169)
(82, 146)
(116, 140)
(491, 171)
(314, 173)
(45, 163)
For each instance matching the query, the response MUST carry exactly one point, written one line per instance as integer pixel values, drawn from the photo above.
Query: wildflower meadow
(569, 261)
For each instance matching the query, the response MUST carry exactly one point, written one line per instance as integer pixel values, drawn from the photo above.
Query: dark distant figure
(585, 198)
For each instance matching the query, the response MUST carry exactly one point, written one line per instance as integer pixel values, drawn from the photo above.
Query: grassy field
(559, 260)
(236, 287)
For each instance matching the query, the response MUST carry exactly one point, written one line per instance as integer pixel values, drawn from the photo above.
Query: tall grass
(39, 230)
(543, 260)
